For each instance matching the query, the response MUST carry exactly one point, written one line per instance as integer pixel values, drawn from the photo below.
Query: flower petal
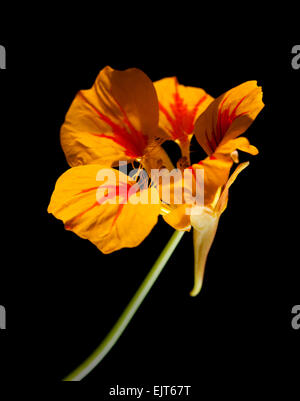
(156, 158)
(240, 143)
(205, 225)
(216, 173)
(179, 218)
(222, 202)
(179, 107)
(92, 202)
(228, 116)
(114, 120)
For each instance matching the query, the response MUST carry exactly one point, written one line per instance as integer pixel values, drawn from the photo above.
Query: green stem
(109, 341)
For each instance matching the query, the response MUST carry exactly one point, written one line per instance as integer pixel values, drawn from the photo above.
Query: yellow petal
(205, 224)
(228, 116)
(179, 218)
(114, 120)
(222, 202)
(179, 107)
(91, 201)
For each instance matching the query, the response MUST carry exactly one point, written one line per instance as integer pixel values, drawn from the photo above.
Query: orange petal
(222, 202)
(156, 158)
(114, 120)
(240, 143)
(228, 116)
(179, 107)
(91, 201)
(216, 173)
(179, 218)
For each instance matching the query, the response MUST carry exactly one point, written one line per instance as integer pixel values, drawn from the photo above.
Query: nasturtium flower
(126, 118)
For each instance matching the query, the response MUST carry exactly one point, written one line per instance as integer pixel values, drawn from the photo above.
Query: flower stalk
(112, 337)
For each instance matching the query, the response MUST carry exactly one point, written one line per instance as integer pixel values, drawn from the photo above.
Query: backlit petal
(91, 201)
(216, 173)
(240, 143)
(222, 202)
(179, 218)
(114, 120)
(179, 107)
(156, 158)
(228, 116)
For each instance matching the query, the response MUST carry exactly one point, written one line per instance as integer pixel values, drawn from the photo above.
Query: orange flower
(125, 117)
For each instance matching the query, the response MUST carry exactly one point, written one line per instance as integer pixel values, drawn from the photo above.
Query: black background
(62, 295)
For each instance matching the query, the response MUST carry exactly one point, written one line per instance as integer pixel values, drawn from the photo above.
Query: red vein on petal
(133, 142)
(168, 117)
(182, 124)
(224, 120)
(209, 143)
(87, 190)
(70, 224)
(120, 208)
(117, 193)
(193, 113)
